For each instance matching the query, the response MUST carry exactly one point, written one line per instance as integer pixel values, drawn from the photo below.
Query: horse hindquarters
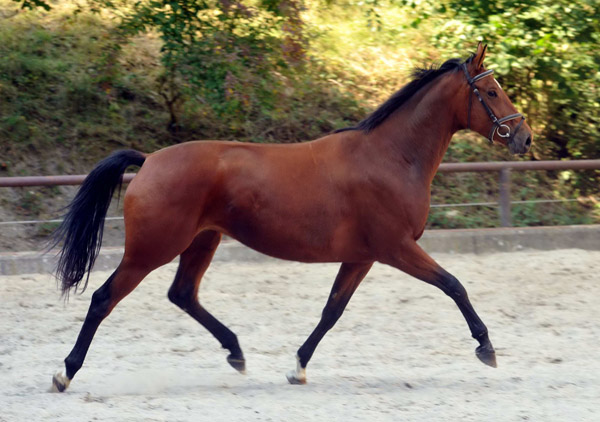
(155, 235)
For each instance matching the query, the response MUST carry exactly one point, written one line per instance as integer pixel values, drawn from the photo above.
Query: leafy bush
(546, 55)
(241, 65)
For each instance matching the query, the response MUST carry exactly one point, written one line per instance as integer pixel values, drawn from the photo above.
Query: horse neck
(417, 135)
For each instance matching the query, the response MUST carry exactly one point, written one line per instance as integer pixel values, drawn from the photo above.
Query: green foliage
(32, 4)
(546, 55)
(240, 66)
(221, 53)
(62, 87)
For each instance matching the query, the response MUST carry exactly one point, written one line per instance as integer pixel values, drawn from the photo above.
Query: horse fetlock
(72, 365)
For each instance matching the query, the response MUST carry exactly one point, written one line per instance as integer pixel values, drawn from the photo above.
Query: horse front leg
(412, 260)
(346, 282)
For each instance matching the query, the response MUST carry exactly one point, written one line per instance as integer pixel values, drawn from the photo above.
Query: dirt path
(401, 352)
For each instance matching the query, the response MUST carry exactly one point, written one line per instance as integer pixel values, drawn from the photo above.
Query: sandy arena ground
(401, 352)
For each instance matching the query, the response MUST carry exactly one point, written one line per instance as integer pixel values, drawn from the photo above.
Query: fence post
(505, 197)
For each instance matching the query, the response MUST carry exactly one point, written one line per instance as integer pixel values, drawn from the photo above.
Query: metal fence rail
(520, 166)
(505, 167)
(23, 181)
(502, 167)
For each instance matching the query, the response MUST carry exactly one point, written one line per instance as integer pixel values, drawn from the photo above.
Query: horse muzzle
(520, 143)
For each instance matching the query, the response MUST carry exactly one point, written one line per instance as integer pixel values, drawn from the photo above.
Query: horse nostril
(528, 142)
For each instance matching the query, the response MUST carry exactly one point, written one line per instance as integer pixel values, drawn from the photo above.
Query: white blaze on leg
(299, 375)
(59, 383)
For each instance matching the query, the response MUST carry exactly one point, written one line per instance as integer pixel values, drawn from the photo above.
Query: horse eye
(492, 94)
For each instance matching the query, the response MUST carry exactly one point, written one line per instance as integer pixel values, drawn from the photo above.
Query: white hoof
(59, 383)
(294, 378)
(298, 376)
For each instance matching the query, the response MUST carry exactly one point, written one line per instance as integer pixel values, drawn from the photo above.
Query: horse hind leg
(122, 282)
(184, 293)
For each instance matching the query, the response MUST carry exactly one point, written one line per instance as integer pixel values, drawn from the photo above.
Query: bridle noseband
(497, 124)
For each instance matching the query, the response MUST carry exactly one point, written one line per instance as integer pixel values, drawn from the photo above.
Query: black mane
(421, 77)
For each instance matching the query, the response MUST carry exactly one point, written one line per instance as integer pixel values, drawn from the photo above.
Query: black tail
(83, 226)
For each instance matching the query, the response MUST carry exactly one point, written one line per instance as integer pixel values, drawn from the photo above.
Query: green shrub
(546, 55)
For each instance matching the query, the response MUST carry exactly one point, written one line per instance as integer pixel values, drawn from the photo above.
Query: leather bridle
(498, 125)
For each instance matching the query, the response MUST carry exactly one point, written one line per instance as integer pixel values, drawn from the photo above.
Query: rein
(497, 124)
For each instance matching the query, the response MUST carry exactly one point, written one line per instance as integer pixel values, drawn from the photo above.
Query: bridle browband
(497, 124)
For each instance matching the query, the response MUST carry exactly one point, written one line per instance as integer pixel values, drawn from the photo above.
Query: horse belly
(298, 248)
(293, 231)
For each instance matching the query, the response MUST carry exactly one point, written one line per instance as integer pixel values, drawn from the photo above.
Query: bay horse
(357, 196)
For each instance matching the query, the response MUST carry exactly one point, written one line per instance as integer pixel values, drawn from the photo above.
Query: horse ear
(479, 55)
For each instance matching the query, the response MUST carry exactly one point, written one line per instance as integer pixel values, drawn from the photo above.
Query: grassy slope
(69, 93)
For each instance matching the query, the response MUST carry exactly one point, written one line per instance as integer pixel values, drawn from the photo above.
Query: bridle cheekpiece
(498, 125)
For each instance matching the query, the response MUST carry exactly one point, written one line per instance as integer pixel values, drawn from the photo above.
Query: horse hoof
(299, 375)
(487, 355)
(59, 383)
(239, 364)
(294, 378)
